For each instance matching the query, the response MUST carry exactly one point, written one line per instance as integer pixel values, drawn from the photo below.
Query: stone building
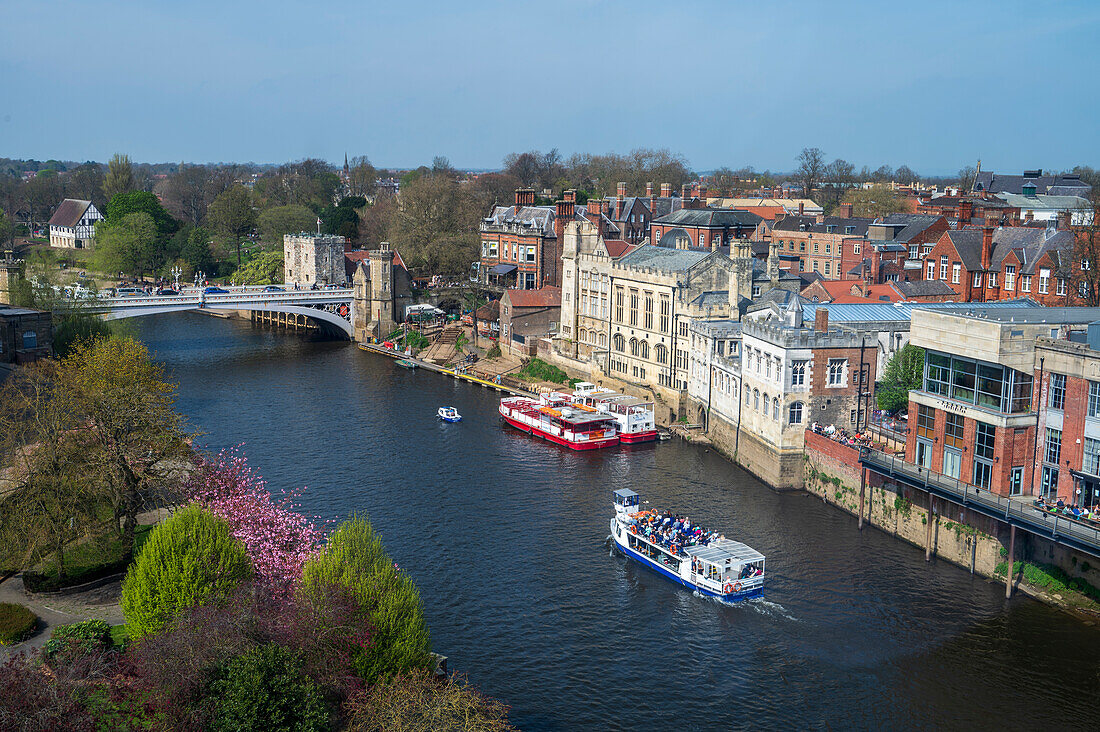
(526, 316)
(313, 259)
(11, 271)
(72, 225)
(25, 335)
(381, 293)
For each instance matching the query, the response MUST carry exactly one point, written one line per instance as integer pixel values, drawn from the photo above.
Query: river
(506, 537)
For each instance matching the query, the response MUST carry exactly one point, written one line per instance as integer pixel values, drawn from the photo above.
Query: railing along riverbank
(454, 374)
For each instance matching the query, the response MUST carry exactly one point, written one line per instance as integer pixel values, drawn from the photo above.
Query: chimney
(685, 195)
(525, 197)
(1064, 219)
(846, 210)
(876, 265)
(821, 320)
(801, 208)
(620, 196)
(773, 263)
(966, 213)
(649, 195)
(565, 208)
(571, 196)
(820, 218)
(563, 215)
(987, 247)
(595, 211)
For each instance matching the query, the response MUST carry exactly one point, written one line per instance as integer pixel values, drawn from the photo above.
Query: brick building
(633, 214)
(828, 245)
(25, 335)
(707, 229)
(963, 211)
(313, 259)
(526, 316)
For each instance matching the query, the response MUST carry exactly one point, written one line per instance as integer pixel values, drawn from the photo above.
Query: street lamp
(176, 272)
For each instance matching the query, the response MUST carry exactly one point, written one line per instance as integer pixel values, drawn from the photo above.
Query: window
(836, 371)
(618, 342)
(633, 346)
(1056, 395)
(814, 267)
(943, 268)
(956, 271)
(983, 473)
(775, 408)
(992, 279)
(1094, 400)
(827, 268)
(855, 248)
(802, 265)
(1053, 451)
(954, 425)
(30, 339)
(619, 305)
(1084, 265)
(633, 307)
(1016, 481)
(1044, 281)
(1091, 462)
(1025, 283)
(665, 308)
(794, 413)
(756, 290)
(661, 353)
(798, 373)
(656, 236)
(931, 270)
(962, 380)
(643, 350)
(1010, 277)
(1049, 485)
(985, 435)
(815, 247)
(991, 386)
(939, 374)
(766, 403)
(1061, 286)
(802, 246)
(647, 321)
(756, 399)
(1082, 289)
(828, 249)
(977, 279)
(683, 329)
(1021, 392)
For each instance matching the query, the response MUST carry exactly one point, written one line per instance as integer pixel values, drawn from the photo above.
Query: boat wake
(756, 604)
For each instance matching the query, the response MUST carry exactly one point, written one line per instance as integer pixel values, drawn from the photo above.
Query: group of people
(1073, 511)
(842, 435)
(672, 531)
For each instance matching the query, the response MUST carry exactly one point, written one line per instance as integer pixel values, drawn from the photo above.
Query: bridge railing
(290, 296)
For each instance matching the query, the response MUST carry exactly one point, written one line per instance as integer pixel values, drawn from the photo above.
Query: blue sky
(933, 85)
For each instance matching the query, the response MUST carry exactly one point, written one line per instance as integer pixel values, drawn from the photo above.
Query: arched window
(582, 336)
(633, 346)
(603, 340)
(766, 404)
(643, 349)
(620, 342)
(775, 408)
(746, 396)
(661, 353)
(756, 399)
(794, 413)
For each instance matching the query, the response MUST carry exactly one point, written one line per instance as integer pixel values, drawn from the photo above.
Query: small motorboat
(406, 364)
(449, 414)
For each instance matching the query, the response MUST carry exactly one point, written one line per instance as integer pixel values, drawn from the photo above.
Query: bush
(189, 559)
(16, 623)
(538, 370)
(265, 689)
(419, 702)
(354, 559)
(494, 351)
(88, 636)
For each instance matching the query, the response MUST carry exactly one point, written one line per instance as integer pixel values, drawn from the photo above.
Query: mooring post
(928, 533)
(973, 550)
(1011, 561)
(862, 490)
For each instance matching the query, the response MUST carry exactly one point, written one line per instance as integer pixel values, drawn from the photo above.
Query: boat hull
(634, 438)
(656, 567)
(532, 430)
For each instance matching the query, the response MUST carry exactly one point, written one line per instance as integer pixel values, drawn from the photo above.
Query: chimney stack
(1064, 220)
(773, 262)
(620, 200)
(685, 195)
(846, 210)
(571, 196)
(563, 215)
(966, 213)
(987, 247)
(666, 190)
(1029, 216)
(525, 197)
(821, 320)
(649, 197)
(595, 211)
(876, 265)
(801, 208)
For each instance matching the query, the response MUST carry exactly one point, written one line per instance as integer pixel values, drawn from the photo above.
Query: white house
(73, 224)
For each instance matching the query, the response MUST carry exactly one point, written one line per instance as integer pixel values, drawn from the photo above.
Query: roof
(899, 311)
(1030, 244)
(914, 224)
(502, 269)
(719, 218)
(723, 550)
(625, 493)
(1030, 312)
(545, 297)
(617, 247)
(1045, 202)
(536, 218)
(992, 182)
(663, 258)
(924, 288)
(809, 223)
(69, 213)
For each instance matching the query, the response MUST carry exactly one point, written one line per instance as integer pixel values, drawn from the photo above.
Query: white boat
(635, 416)
(554, 417)
(449, 414)
(712, 565)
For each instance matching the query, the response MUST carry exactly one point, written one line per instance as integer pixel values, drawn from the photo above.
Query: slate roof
(992, 182)
(717, 218)
(1045, 202)
(809, 223)
(663, 258)
(914, 224)
(712, 298)
(69, 213)
(536, 217)
(1028, 243)
(978, 201)
(924, 288)
(670, 237)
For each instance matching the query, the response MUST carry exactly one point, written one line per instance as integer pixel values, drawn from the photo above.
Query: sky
(932, 85)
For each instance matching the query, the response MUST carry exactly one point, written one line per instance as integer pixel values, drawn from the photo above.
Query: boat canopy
(625, 493)
(717, 552)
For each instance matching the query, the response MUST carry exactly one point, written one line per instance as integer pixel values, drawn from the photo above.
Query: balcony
(1017, 512)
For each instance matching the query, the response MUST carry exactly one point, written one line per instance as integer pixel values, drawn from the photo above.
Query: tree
(189, 559)
(265, 689)
(128, 245)
(1084, 264)
(119, 177)
(277, 221)
(143, 202)
(839, 178)
(354, 559)
(233, 215)
(7, 229)
(265, 268)
(436, 225)
(85, 182)
(184, 193)
(343, 219)
(811, 167)
(905, 174)
(416, 702)
(903, 373)
(128, 409)
(362, 177)
(196, 250)
(966, 178)
(875, 202)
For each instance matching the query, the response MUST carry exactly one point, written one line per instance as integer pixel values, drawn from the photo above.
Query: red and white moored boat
(555, 418)
(635, 416)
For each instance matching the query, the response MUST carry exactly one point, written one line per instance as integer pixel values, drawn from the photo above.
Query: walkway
(1013, 511)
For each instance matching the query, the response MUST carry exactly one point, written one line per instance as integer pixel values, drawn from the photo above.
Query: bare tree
(966, 178)
(1084, 264)
(811, 168)
(119, 177)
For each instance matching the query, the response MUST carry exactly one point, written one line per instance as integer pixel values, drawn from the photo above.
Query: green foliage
(342, 220)
(76, 325)
(263, 269)
(125, 204)
(119, 178)
(355, 559)
(494, 351)
(416, 339)
(903, 505)
(195, 250)
(265, 690)
(127, 244)
(190, 559)
(277, 221)
(904, 372)
(100, 556)
(233, 215)
(87, 636)
(16, 623)
(536, 369)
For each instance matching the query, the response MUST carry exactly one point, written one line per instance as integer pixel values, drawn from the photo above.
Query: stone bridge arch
(330, 323)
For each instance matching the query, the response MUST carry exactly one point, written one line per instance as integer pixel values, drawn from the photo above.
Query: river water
(506, 537)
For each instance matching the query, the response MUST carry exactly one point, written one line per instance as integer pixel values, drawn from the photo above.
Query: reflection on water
(506, 537)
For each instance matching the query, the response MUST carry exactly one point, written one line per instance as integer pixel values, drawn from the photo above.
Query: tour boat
(635, 416)
(555, 418)
(712, 566)
(406, 364)
(449, 414)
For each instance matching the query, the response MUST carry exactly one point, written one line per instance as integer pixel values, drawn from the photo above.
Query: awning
(502, 269)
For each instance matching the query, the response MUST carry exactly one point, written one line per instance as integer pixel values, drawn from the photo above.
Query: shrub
(354, 559)
(265, 689)
(87, 636)
(418, 702)
(16, 623)
(494, 351)
(188, 559)
(34, 698)
(538, 370)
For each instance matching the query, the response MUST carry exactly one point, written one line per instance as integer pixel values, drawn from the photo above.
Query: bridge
(330, 310)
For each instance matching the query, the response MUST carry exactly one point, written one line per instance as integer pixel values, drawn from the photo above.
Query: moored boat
(555, 418)
(406, 364)
(634, 416)
(707, 562)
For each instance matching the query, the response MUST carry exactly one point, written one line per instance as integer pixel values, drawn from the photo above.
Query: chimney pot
(649, 190)
(846, 210)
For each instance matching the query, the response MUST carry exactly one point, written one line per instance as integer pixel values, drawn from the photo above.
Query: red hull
(636, 437)
(592, 445)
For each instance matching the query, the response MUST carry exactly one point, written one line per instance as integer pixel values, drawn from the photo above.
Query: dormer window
(1029, 189)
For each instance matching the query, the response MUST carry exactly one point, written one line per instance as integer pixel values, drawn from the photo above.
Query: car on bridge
(215, 291)
(166, 291)
(273, 288)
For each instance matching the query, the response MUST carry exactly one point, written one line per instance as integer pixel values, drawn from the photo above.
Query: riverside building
(313, 259)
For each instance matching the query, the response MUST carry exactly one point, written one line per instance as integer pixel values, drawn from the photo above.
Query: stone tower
(374, 297)
(11, 271)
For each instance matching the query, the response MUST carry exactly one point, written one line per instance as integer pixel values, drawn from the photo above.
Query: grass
(119, 635)
(538, 370)
(1049, 578)
(100, 557)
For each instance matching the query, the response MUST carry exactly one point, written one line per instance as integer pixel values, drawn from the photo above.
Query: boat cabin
(724, 562)
(626, 501)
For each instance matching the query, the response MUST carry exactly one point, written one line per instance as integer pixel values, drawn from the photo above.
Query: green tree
(355, 559)
(196, 250)
(189, 559)
(903, 373)
(263, 269)
(233, 215)
(343, 219)
(277, 221)
(7, 229)
(265, 689)
(128, 245)
(125, 204)
(119, 177)
(875, 202)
